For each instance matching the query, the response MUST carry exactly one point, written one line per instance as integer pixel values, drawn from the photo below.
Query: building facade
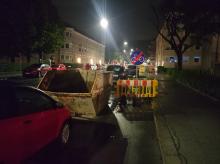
(81, 49)
(211, 54)
(77, 48)
(166, 56)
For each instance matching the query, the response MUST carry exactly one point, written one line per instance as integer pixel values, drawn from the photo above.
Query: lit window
(91, 61)
(171, 59)
(197, 59)
(78, 60)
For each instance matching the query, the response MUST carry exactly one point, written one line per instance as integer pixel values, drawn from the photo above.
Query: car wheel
(64, 134)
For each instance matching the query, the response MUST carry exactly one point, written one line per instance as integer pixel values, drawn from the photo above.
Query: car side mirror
(59, 105)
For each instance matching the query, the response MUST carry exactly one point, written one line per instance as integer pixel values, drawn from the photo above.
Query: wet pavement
(188, 125)
(138, 127)
(91, 142)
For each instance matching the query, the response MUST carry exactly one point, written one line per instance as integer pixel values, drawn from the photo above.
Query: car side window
(31, 101)
(7, 105)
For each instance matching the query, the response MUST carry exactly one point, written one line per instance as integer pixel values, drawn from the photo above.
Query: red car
(59, 67)
(36, 70)
(29, 120)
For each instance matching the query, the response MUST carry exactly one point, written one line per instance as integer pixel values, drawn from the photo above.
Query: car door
(38, 116)
(11, 128)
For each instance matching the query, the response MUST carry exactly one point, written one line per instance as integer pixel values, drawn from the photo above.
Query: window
(171, 59)
(185, 59)
(67, 33)
(27, 104)
(62, 57)
(66, 57)
(197, 59)
(67, 45)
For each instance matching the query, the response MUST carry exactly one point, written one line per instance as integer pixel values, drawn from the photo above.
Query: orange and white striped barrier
(138, 88)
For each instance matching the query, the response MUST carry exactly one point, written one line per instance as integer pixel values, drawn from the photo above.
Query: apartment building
(211, 54)
(166, 56)
(81, 49)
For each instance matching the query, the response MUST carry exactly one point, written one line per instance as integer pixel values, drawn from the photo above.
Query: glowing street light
(125, 43)
(104, 23)
(124, 51)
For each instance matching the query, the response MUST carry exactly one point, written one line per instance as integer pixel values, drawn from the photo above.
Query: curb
(168, 150)
(10, 74)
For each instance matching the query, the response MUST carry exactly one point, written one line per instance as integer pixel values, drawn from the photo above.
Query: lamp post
(104, 25)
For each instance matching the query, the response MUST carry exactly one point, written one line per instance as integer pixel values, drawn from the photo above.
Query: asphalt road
(91, 142)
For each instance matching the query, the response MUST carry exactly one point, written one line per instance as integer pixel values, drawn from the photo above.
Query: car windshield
(132, 67)
(114, 68)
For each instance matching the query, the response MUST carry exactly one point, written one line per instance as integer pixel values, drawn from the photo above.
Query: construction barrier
(137, 88)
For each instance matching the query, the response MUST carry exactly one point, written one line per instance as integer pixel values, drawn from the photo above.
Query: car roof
(9, 83)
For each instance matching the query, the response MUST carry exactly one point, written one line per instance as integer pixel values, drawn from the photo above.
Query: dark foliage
(21, 22)
(187, 23)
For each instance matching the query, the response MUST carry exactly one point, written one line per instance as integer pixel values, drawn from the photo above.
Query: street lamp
(125, 43)
(104, 23)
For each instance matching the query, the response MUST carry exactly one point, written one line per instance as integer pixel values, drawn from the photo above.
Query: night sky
(128, 19)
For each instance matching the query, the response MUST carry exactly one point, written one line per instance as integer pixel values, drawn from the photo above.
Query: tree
(49, 39)
(25, 23)
(184, 24)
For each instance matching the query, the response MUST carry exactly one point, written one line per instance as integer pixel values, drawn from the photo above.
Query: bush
(161, 69)
(201, 80)
(12, 67)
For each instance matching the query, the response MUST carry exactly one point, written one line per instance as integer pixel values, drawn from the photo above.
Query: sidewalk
(10, 74)
(187, 124)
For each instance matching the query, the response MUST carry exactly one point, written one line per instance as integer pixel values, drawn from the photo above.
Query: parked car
(29, 120)
(118, 72)
(36, 70)
(132, 71)
(72, 66)
(59, 67)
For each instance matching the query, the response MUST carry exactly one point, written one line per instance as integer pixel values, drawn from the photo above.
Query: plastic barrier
(86, 93)
(137, 88)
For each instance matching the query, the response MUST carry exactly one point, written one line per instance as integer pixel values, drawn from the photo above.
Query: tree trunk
(179, 61)
(216, 50)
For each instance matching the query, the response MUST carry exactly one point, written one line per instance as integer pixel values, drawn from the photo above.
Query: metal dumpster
(85, 92)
